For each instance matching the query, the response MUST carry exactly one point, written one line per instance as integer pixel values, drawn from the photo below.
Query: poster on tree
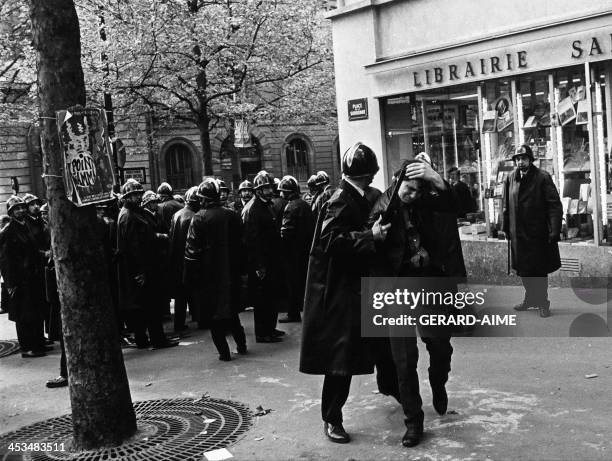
(88, 167)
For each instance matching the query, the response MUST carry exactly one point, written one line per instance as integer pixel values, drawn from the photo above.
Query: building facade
(469, 82)
(156, 153)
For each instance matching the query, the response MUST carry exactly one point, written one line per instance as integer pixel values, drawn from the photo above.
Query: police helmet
(359, 160)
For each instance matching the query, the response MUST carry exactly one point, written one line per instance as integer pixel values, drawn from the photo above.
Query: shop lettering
(484, 66)
(594, 48)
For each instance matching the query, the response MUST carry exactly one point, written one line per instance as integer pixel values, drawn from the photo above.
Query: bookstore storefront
(471, 103)
(477, 127)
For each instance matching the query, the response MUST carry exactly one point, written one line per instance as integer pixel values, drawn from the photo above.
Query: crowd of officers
(214, 256)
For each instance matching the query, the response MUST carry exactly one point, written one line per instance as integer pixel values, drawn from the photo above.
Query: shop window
(445, 125)
(296, 155)
(179, 167)
(572, 111)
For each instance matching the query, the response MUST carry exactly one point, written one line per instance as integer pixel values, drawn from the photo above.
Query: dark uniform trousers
(334, 395)
(219, 329)
(29, 334)
(149, 317)
(265, 303)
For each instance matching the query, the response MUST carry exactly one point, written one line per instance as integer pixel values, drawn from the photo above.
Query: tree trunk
(102, 411)
(204, 127)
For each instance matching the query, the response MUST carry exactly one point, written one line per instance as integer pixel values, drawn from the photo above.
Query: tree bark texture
(204, 127)
(102, 411)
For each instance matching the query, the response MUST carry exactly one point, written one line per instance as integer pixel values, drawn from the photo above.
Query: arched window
(179, 169)
(296, 152)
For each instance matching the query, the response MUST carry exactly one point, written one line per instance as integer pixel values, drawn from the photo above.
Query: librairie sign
(88, 168)
(474, 63)
(358, 109)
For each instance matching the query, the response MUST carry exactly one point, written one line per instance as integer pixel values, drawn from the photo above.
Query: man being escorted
(296, 231)
(331, 339)
(423, 242)
(532, 213)
(212, 263)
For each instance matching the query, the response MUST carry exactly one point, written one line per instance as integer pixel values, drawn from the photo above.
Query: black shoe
(33, 354)
(47, 348)
(242, 350)
(440, 398)
(412, 436)
(521, 307)
(164, 345)
(289, 319)
(278, 333)
(267, 339)
(336, 433)
(225, 357)
(60, 381)
(49, 342)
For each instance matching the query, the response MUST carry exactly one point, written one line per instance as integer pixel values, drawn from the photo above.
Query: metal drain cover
(8, 347)
(173, 429)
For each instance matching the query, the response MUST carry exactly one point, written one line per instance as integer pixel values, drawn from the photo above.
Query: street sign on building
(358, 109)
(88, 167)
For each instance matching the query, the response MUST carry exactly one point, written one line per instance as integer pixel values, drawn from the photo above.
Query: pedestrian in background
(532, 214)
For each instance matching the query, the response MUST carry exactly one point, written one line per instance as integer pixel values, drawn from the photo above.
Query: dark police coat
(165, 210)
(340, 256)
(21, 268)
(532, 213)
(261, 237)
(212, 260)
(136, 251)
(297, 228)
(178, 237)
(321, 200)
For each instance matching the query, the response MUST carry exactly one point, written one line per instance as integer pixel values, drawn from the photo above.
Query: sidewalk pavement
(510, 398)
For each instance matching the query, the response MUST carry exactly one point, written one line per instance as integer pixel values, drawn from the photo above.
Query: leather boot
(545, 310)
(413, 435)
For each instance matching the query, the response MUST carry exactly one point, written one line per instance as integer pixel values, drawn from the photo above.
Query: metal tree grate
(8, 347)
(168, 430)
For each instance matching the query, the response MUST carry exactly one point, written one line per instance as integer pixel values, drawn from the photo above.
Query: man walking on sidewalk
(532, 214)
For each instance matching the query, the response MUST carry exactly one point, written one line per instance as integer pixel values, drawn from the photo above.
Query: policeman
(278, 203)
(167, 205)
(297, 228)
(342, 246)
(312, 189)
(138, 270)
(262, 242)
(22, 272)
(40, 232)
(224, 193)
(212, 266)
(245, 192)
(423, 242)
(178, 237)
(326, 189)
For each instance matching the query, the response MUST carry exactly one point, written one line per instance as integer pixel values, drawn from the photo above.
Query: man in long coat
(212, 264)
(21, 268)
(178, 236)
(342, 247)
(532, 213)
(297, 227)
(137, 269)
(262, 243)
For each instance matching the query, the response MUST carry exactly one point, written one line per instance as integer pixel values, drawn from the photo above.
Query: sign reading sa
(358, 109)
